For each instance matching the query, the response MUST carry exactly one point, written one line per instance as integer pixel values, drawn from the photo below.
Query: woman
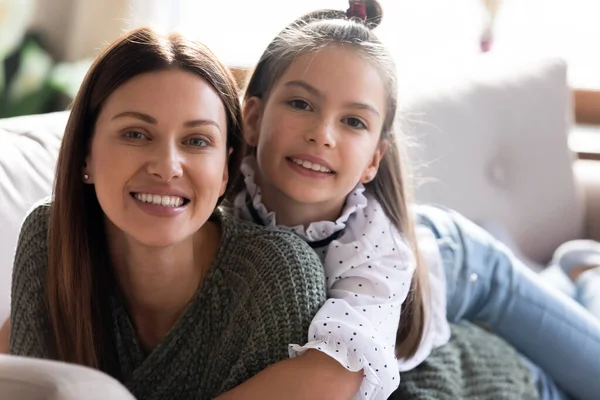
(132, 269)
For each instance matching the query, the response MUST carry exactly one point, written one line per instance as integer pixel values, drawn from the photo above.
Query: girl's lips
(313, 160)
(308, 172)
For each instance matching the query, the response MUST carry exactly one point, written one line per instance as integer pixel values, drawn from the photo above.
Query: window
(239, 30)
(566, 28)
(420, 33)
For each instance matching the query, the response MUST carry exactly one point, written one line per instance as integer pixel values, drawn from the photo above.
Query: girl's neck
(157, 284)
(292, 213)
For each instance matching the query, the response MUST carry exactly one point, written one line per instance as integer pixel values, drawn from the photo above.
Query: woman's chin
(159, 235)
(163, 240)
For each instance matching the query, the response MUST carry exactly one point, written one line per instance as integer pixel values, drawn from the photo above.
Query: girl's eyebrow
(315, 92)
(306, 86)
(362, 106)
(151, 120)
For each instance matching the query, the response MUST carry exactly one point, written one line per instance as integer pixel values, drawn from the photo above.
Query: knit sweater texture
(262, 291)
(474, 365)
(261, 294)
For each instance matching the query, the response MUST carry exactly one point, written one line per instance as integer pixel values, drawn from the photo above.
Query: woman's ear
(86, 174)
(371, 170)
(252, 113)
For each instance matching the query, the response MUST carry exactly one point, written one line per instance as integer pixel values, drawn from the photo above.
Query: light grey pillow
(26, 378)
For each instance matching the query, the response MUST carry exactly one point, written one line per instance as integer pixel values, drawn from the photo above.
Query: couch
(26, 378)
(492, 144)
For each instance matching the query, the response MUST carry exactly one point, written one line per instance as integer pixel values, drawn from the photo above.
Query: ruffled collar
(316, 232)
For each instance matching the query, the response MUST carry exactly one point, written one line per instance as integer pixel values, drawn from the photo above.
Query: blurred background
(501, 97)
(46, 46)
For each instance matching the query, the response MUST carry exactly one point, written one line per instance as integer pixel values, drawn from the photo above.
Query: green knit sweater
(474, 365)
(261, 294)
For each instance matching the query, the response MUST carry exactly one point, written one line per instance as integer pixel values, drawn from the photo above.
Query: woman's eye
(300, 105)
(134, 135)
(197, 142)
(354, 123)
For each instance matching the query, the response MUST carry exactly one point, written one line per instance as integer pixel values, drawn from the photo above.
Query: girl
(324, 161)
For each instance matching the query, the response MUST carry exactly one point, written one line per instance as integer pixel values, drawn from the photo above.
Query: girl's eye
(135, 135)
(300, 105)
(354, 123)
(197, 142)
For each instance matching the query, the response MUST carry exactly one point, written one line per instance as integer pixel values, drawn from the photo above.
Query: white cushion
(28, 151)
(32, 379)
(492, 144)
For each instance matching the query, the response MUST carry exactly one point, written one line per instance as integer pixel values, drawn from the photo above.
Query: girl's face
(317, 135)
(158, 156)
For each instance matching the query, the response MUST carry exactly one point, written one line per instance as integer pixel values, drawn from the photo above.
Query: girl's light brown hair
(322, 29)
(79, 271)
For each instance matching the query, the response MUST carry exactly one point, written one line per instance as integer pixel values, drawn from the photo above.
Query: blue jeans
(588, 291)
(487, 284)
(585, 290)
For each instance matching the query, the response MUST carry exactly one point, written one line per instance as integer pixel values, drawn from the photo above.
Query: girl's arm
(368, 273)
(313, 375)
(5, 337)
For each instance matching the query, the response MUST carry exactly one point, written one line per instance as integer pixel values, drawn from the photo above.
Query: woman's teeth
(310, 165)
(167, 201)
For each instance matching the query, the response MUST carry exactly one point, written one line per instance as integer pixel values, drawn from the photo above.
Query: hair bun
(374, 13)
(372, 9)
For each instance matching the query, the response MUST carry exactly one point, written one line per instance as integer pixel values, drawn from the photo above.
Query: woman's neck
(292, 213)
(157, 284)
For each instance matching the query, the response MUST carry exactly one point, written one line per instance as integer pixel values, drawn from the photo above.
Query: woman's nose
(166, 162)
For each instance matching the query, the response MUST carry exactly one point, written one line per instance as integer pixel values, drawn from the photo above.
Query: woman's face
(158, 156)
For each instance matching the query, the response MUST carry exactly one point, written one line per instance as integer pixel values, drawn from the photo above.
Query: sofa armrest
(587, 174)
(30, 378)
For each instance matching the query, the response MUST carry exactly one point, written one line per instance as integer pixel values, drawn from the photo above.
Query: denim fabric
(588, 291)
(488, 285)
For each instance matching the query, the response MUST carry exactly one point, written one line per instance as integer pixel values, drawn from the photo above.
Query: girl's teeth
(310, 165)
(166, 201)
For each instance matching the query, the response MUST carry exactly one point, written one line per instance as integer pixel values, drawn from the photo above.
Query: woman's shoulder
(29, 315)
(271, 241)
(35, 224)
(31, 255)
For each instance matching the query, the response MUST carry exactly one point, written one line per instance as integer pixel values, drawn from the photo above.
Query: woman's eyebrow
(151, 120)
(135, 114)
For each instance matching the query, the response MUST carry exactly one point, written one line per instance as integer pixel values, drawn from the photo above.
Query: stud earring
(86, 177)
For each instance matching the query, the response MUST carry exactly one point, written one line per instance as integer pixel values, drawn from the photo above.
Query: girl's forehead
(337, 71)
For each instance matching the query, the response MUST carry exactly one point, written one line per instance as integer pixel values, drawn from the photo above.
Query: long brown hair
(324, 28)
(78, 268)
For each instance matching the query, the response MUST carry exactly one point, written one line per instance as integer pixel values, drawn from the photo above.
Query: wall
(76, 29)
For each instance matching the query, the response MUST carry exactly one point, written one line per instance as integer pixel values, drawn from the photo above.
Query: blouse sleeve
(368, 274)
(29, 314)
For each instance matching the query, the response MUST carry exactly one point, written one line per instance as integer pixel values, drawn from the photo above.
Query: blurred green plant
(31, 80)
(35, 83)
